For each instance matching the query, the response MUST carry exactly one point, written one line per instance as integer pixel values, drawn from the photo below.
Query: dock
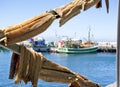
(111, 50)
(107, 47)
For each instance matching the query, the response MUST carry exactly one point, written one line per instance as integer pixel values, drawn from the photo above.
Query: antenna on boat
(89, 36)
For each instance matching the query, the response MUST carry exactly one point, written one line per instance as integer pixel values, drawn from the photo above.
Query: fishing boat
(76, 46)
(77, 50)
(39, 45)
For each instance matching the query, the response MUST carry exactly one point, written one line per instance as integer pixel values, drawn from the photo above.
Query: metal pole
(118, 48)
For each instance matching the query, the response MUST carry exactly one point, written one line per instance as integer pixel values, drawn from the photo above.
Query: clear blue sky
(103, 25)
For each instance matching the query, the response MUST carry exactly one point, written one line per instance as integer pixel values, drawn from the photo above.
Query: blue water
(98, 67)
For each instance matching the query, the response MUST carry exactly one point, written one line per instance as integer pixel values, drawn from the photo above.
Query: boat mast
(89, 36)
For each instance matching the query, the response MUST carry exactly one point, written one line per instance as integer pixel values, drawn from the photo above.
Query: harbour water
(98, 67)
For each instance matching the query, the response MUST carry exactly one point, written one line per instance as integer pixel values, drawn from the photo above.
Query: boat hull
(41, 49)
(78, 50)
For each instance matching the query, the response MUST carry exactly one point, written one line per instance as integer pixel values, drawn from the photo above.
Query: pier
(111, 50)
(107, 47)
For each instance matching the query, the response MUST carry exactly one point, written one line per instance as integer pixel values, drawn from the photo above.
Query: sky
(103, 25)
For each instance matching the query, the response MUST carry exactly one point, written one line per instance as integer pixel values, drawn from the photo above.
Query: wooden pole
(118, 48)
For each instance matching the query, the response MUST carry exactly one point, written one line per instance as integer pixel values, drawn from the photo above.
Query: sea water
(98, 67)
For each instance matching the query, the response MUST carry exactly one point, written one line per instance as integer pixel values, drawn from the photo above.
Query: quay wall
(107, 47)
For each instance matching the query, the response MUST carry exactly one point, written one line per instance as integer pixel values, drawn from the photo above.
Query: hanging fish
(28, 28)
(107, 5)
(34, 66)
(14, 65)
(68, 11)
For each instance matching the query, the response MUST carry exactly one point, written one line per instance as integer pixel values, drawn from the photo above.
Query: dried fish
(99, 5)
(28, 28)
(34, 66)
(68, 11)
(14, 65)
(107, 5)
